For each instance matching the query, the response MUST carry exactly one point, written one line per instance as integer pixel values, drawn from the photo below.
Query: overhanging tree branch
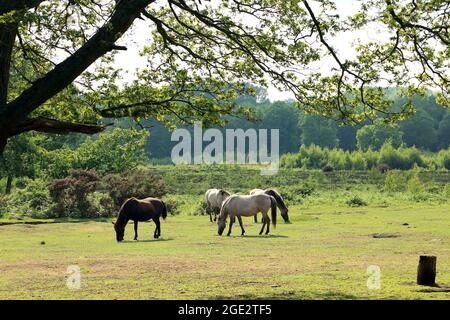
(43, 124)
(406, 24)
(67, 71)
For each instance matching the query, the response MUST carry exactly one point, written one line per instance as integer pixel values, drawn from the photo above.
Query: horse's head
(284, 214)
(223, 195)
(221, 224)
(280, 203)
(120, 231)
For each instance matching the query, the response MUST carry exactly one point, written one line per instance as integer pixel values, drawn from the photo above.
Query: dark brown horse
(140, 210)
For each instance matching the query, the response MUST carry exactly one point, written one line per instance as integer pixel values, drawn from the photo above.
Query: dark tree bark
(8, 34)
(426, 271)
(9, 180)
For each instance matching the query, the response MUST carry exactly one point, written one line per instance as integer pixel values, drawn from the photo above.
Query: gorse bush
(140, 184)
(395, 181)
(101, 204)
(295, 195)
(172, 205)
(33, 200)
(414, 185)
(401, 181)
(200, 209)
(356, 202)
(403, 158)
(3, 205)
(444, 158)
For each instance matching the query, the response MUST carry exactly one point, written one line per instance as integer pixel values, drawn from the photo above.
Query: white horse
(214, 199)
(280, 201)
(247, 206)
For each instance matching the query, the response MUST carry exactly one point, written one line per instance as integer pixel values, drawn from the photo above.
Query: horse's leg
(135, 230)
(159, 229)
(231, 224)
(216, 213)
(268, 225)
(242, 226)
(263, 224)
(256, 218)
(210, 216)
(157, 232)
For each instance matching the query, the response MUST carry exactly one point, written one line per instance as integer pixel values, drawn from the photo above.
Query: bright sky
(130, 59)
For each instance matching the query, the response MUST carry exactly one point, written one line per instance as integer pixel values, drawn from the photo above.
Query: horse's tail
(273, 205)
(164, 210)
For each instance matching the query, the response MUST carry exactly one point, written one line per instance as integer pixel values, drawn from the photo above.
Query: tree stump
(426, 271)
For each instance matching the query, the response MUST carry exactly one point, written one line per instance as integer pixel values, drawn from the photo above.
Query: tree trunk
(426, 271)
(8, 34)
(3, 141)
(8, 184)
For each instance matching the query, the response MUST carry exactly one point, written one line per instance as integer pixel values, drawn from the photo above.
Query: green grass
(322, 254)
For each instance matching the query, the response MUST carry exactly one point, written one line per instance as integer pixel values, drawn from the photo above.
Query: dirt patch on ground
(385, 235)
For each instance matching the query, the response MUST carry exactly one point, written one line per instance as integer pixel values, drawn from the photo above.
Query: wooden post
(426, 271)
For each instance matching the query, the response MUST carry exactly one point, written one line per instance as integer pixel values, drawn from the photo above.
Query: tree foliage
(374, 136)
(113, 152)
(319, 131)
(57, 71)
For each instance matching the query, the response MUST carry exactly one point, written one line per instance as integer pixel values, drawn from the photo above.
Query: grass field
(323, 254)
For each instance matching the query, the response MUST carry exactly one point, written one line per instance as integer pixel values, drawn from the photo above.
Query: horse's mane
(224, 205)
(276, 195)
(126, 206)
(224, 192)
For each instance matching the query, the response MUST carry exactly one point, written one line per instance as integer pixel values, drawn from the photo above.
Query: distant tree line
(428, 129)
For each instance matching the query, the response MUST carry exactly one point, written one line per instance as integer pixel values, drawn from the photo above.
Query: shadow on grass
(434, 288)
(292, 295)
(150, 240)
(52, 221)
(258, 236)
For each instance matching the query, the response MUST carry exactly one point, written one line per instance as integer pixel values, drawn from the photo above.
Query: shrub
(414, 184)
(314, 157)
(445, 191)
(356, 202)
(295, 195)
(395, 181)
(172, 205)
(70, 195)
(200, 209)
(446, 161)
(384, 167)
(327, 168)
(32, 201)
(3, 204)
(372, 158)
(390, 156)
(358, 161)
(139, 184)
(102, 205)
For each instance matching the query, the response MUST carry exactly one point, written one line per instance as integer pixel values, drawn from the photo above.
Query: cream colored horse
(214, 199)
(247, 206)
(280, 201)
